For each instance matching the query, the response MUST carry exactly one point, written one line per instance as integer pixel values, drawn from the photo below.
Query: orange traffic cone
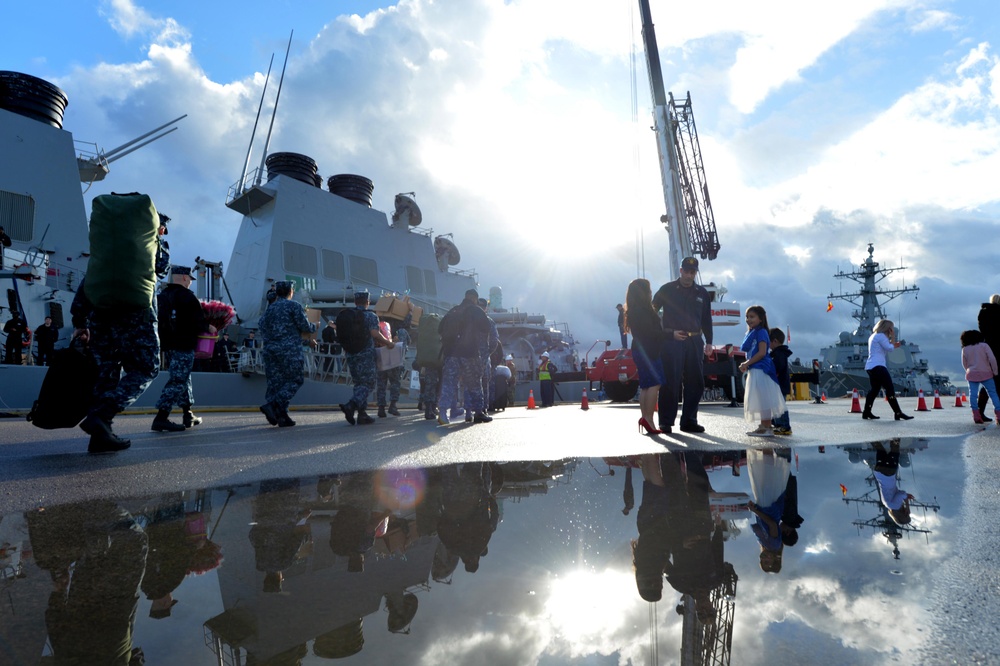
(921, 403)
(937, 400)
(855, 402)
(822, 398)
(531, 399)
(958, 398)
(584, 403)
(965, 397)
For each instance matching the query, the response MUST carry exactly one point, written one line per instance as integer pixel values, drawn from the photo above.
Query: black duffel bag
(67, 392)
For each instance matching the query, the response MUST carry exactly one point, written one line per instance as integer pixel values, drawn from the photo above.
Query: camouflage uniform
(486, 348)
(392, 376)
(362, 364)
(281, 326)
(462, 360)
(430, 386)
(122, 341)
(178, 390)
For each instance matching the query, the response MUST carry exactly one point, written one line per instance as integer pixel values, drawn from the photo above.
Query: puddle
(498, 563)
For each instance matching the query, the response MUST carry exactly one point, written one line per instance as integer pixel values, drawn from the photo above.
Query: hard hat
(545, 354)
(510, 357)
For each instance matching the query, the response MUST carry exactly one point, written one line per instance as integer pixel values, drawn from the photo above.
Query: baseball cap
(689, 264)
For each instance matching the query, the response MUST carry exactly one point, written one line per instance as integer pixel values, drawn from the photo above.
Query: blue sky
(824, 126)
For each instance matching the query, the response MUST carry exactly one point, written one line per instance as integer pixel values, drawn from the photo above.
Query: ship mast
(868, 275)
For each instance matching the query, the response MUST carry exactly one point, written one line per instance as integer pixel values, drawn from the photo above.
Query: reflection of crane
(710, 643)
(883, 522)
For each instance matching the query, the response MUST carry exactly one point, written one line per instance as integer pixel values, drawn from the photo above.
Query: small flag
(843, 490)
(829, 305)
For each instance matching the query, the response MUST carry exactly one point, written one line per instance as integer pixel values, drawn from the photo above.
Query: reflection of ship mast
(868, 276)
(890, 530)
(712, 643)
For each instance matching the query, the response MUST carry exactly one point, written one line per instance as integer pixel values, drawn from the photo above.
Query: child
(762, 398)
(779, 356)
(980, 367)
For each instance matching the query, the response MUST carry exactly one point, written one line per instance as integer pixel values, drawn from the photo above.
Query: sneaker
(190, 420)
(443, 420)
(785, 432)
(761, 432)
(348, 410)
(480, 417)
(457, 413)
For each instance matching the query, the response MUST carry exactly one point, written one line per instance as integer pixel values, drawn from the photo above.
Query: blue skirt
(648, 365)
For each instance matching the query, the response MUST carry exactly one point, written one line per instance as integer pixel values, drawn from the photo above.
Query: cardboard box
(386, 359)
(394, 307)
(314, 316)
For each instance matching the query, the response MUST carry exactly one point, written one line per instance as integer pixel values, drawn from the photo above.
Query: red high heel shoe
(650, 430)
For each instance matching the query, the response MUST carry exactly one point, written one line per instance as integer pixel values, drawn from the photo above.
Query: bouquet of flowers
(218, 314)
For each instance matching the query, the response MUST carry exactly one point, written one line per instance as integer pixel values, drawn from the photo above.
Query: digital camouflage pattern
(281, 328)
(178, 390)
(127, 349)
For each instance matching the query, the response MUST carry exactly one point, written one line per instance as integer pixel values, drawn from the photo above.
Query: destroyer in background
(842, 368)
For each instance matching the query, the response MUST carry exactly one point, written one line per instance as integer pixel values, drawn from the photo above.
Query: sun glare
(585, 604)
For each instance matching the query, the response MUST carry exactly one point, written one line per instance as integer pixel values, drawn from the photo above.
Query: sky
(523, 128)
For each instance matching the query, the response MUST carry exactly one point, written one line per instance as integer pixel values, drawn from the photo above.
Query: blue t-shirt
(750, 345)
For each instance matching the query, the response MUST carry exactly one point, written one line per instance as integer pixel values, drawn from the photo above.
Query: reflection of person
(980, 368)
(282, 326)
(276, 534)
(622, 327)
(96, 554)
(687, 320)
(352, 528)
(677, 534)
(894, 499)
(763, 399)
(647, 338)
(469, 512)
(989, 326)
(769, 471)
(881, 342)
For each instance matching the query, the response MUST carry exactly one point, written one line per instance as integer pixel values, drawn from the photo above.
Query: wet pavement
(516, 560)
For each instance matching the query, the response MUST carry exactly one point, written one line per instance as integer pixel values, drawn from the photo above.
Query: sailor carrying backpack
(124, 237)
(429, 342)
(351, 331)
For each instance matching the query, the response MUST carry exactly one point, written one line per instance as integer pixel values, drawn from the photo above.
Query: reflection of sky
(556, 585)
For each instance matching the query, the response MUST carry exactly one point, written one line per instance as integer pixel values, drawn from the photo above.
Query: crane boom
(688, 219)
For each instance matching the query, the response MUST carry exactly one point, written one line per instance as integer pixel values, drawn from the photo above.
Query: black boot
(284, 420)
(270, 413)
(190, 420)
(102, 439)
(349, 408)
(163, 424)
(867, 414)
(429, 412)
(393, 409)
(900, 416)
(363, 418)
(381, 411)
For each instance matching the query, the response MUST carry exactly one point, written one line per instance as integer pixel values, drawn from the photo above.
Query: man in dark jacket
(46, 336)
(989, 326)
(223, 353)
(14, 328)
(464, 330)
(181, 321)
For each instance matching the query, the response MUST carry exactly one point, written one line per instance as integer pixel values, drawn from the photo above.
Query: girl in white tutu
(762, 397)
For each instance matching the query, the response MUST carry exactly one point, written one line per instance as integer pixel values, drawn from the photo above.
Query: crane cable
(640, 250)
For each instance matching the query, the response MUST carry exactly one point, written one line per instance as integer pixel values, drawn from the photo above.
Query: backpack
(124, 237)
(452, 326)
(351, 331)
(429, 342)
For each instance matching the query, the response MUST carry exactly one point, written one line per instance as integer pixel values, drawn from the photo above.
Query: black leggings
(880, 379)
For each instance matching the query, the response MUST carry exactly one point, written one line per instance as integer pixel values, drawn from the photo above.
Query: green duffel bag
(124, 236)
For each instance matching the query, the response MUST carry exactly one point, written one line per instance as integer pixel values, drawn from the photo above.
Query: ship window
(333, 265)
(299, 258)
(18, 214)
(430, 283)
(363, 270)
(414, 280)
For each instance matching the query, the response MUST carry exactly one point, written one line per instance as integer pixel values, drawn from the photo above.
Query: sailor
(123, 338)
(487, 349)
(282, 326)
(223, 353)
(392, 377)
(14, 328)
(181, 322)
(46, 336)
(462, 330)
(4, 242)
(362, 363)
(687, 320)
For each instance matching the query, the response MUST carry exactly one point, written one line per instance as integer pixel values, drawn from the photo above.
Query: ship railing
(53, 274)
(239, 187)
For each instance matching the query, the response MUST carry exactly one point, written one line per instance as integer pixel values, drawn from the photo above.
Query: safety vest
(543, 371)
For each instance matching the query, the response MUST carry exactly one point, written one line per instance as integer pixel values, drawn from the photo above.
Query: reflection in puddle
(757, 556)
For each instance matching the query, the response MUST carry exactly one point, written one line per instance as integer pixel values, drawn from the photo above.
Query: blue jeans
(991, 389)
